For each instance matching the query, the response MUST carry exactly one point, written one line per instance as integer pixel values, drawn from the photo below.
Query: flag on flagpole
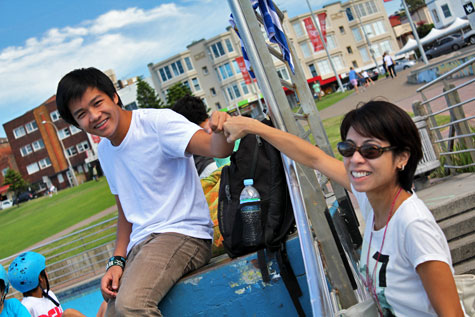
(243, 49)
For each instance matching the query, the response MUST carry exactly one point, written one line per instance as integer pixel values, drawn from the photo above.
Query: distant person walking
(317, 90)
(367, 79)
(353, 75)
(389, 65)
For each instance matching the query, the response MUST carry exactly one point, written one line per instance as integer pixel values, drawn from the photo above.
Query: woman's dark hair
(387, 122)
(73, 86)
(192, 108)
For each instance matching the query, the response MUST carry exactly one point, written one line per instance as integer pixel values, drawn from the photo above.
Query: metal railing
(460, 127)
(75, 257)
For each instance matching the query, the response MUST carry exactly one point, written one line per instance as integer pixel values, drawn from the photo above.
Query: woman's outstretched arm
(294, 147)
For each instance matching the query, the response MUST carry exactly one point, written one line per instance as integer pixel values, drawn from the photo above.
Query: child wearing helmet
(28, 276)
(10, 307)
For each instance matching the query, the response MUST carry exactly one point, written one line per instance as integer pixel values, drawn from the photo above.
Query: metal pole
(414, 32)
(70, 168)
(368, 42)
(317, 25)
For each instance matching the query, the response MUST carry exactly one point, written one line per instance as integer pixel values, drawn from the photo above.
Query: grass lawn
(328, 100)
(40, 218)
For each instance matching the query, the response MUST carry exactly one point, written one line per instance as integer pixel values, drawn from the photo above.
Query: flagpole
(414, 32)
(317, 25)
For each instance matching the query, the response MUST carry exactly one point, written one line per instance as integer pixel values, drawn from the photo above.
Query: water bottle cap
(248, 182)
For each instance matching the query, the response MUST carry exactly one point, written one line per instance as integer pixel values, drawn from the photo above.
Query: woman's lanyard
(369, 280)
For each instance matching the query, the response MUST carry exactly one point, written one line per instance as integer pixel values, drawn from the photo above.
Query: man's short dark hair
(192, 108)
(73, 86)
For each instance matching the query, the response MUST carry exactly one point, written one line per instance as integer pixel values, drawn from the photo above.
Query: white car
(469, 37)
(5, 204)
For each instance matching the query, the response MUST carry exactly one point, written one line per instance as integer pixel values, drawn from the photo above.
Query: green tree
(146, 95)
(16, 182)
(176, 92)
(413, 5)
(424, 29)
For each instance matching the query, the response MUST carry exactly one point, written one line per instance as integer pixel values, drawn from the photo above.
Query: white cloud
(125, 41)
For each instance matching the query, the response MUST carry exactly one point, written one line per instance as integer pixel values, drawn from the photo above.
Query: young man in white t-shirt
(164, 229)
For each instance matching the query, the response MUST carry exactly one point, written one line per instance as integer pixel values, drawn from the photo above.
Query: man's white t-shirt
(155, 178)
(42, 307)
(388, 60)
(413, 237)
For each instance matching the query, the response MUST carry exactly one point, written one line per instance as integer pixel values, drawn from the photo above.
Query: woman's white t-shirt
(413, 237)
(41, 307)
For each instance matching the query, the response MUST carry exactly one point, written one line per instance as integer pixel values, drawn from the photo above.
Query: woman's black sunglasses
(368, 151)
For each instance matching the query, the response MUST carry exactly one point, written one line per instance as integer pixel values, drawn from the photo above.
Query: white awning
(409, 46)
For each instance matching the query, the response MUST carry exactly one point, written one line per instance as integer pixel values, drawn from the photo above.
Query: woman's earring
(402, 168)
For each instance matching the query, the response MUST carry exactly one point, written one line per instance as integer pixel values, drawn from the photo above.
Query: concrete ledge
(462, 249)
(458, 225)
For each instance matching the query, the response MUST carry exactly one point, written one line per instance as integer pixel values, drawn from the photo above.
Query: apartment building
(38, 147)
(7, 161)
(210, 69)
(444, 12)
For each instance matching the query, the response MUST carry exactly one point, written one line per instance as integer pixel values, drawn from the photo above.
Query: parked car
(403, 64)
(445, 45)
(469, 37)
(5, 204)
(25, 196)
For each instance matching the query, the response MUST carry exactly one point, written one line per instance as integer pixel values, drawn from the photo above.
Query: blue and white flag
(274, 28)
(244, 53)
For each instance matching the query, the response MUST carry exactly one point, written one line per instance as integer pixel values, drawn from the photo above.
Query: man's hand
(110, 282)
(216, 121)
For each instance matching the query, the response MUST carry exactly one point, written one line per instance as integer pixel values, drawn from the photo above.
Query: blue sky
(41, 40)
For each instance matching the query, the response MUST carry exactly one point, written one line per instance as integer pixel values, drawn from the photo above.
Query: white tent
(409, 46)
(435, 34)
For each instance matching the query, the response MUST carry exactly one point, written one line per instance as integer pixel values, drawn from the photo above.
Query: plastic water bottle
(250, 214)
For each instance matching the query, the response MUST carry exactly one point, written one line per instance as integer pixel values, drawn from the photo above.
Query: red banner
(242, 67)
(313, 33)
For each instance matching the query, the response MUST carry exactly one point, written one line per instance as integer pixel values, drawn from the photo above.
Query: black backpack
(259, 160)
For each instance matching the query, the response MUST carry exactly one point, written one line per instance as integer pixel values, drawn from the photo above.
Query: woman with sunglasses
(405, 259)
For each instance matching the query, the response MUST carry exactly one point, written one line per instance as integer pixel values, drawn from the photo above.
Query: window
(366, 8)
(374, 29)
(205, 70)
(217, 49)
(83, 146)
(64, 133)
(331, 43)
(237, 92)
(237, 70)
(31, 126)
(349, 50)
(305, 49)
(19, 132)
(177, 68)
(313, 70)
(60, 178)
(446, 10)
(54, 115)
(324, 67)
(44, 163)
(189, 66)
(229, 46)
(338, 62)
(298, 29)
(357, 34)
(80, 169)
(196, 84)
(71, 151)
(186, 83)
(32, 168)
(436, 16)
(225, 71)
(283, 74)
(38, 145)
(212, 91)
(74, 130)
(165, 73)
(230, 93)
(355, 64)
(4, 171)
(349, 14)
(244, 88)
(27, 149)
(364, 54)
(342, 30)
(218, 105)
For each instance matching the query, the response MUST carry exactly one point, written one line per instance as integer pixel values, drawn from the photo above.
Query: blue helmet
(4, 278)
(25, 270)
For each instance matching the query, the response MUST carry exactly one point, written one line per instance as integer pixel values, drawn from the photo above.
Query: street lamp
(70, 168)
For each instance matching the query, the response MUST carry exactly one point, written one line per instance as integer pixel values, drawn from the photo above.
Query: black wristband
(116, 260)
